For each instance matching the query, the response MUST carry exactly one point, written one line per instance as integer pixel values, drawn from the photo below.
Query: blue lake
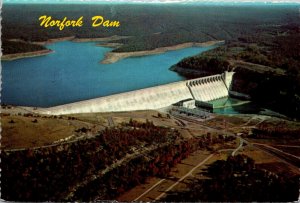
(74, 72)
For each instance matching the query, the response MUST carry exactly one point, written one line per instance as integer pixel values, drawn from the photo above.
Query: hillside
(266, 66)
(150, 26)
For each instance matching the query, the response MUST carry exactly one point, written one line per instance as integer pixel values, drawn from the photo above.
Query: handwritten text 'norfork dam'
(96, 21)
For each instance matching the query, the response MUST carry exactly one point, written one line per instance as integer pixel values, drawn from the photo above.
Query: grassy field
(22, 129)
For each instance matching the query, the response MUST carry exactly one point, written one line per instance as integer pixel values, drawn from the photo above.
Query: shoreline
(74, 39)
(11, 57)
(100, 39)
(112, 57)
(110, 45)
(50, 41)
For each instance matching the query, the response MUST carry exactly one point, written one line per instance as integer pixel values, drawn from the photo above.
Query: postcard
(159, 100)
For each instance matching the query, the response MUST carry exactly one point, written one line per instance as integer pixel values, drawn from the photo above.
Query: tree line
(238, 179)
(49, 173)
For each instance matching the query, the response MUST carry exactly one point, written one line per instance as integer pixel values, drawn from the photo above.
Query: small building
(187, 103)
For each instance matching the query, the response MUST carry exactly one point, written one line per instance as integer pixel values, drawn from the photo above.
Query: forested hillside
(151, 26)
(266, 66)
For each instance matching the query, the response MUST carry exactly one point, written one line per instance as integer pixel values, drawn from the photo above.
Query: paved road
(282, 145)
(161, 187)
(183, 177)
(151, 188)
(118, 163)
(259, 147)
(278, 150)
(238, 148)
(165, 185)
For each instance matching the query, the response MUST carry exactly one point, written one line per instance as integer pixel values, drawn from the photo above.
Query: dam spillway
(208, 88)
(202, 89)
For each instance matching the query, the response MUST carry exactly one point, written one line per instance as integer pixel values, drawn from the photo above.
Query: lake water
(74, 73)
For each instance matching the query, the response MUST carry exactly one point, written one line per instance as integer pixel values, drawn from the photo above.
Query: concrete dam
(201, 89)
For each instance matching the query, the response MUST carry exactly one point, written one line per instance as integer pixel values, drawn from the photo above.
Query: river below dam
(230, 105)
(73, 72)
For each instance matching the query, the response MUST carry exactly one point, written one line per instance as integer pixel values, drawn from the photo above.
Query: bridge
(200, 89)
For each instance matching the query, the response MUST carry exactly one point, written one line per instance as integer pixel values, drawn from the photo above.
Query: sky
(154, 1)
